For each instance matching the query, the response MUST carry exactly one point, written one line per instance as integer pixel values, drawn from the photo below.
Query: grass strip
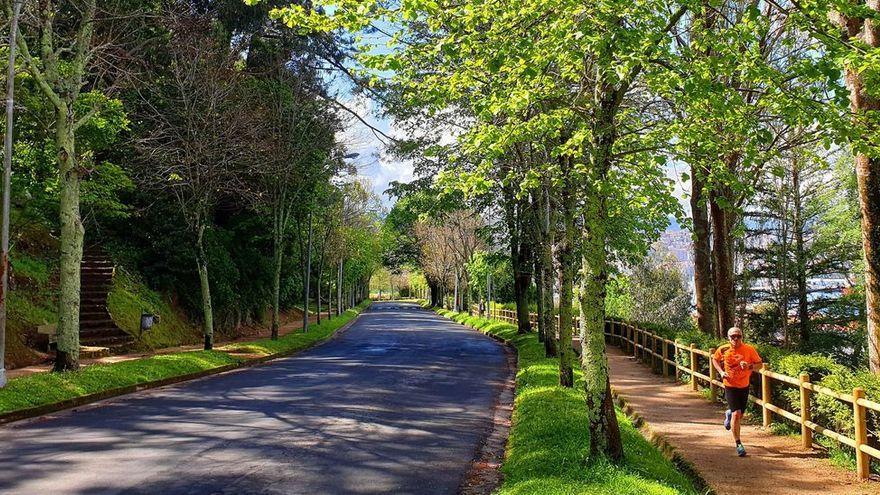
(44, 389)
(547, 451)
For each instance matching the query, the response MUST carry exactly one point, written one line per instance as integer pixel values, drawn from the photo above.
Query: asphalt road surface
(397, 404)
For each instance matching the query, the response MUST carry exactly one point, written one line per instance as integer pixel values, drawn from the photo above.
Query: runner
(735, 362)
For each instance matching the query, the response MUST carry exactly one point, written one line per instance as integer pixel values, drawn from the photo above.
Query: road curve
(397, 404)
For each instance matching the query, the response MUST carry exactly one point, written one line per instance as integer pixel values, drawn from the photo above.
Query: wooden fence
(666, 354)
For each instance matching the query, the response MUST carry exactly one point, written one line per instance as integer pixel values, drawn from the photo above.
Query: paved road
(397, 404)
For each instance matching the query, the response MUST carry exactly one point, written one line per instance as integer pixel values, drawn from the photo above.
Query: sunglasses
(734, 337)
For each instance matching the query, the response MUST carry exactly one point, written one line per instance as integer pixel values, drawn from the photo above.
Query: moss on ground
(32, 302)
(48, 388)
(547, 452)
(129, 297)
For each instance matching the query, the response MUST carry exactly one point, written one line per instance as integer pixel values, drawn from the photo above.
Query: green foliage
(657, 292)
(129, 298)
(618, 300)
(547, 454)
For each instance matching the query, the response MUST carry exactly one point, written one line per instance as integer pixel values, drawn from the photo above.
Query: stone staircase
(96, 327)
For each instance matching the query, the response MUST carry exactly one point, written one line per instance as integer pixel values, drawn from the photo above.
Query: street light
(7, 179)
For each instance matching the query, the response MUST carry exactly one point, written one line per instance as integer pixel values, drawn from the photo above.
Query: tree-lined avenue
(396, 404)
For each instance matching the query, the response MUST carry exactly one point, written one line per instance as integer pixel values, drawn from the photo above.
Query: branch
(38, 75)
(376, 132)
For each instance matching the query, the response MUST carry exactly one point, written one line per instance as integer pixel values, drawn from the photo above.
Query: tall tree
(185, 150)
(63, 34)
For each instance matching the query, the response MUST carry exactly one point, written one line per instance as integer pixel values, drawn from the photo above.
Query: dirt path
(289, 322)
(693, 426)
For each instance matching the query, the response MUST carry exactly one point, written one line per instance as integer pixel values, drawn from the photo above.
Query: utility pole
(7, 186)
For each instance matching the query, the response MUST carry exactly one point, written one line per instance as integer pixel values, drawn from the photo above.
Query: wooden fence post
(675, 359)
(694, 386)
(806, 433)
(713, 392)
(653, 352)
(635, 340)
(767, 414)
(861, 429)
(665, 354)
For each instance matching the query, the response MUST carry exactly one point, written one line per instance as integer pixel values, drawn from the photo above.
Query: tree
(656, 287)
(184, 152)
(66, 52)
(299, 137)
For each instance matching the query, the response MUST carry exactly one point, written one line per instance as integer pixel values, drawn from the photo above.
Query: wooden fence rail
(667, 354)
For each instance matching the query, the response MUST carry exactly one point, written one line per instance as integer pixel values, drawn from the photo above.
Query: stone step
(92, 294)
(106, 322)
(93, 351)
(96, 272)
(116, 345)
(93, 334)
(94, 315)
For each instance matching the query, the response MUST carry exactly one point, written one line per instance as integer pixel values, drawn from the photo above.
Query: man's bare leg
(737, 418)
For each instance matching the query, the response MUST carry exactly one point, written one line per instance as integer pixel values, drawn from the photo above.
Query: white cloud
(373, 162)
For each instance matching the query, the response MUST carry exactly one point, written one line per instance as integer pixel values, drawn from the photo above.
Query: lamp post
(7, 179)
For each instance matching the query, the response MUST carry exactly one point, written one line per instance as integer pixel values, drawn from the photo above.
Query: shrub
(817, 366)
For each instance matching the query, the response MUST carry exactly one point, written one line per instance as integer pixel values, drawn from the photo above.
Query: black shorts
(737, 398)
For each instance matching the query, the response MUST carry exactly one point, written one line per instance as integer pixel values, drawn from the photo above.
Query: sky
(381, 169)
(372, 162)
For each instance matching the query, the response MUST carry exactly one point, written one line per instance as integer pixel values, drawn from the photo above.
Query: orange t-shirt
(730, 357)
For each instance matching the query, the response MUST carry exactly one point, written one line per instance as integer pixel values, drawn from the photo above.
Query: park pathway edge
(72, 404)
(690, 427)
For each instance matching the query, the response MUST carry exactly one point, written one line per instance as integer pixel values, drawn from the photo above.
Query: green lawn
(548, 444)
(48, 388)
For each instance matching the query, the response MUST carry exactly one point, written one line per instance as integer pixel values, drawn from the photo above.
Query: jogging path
(692, 425)
(399, 404)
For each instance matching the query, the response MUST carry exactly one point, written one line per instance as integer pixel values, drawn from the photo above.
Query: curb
(662, 443)
(34, 412)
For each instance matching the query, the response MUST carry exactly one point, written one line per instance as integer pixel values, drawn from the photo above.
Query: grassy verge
(43, 389)
(548, 445)
(129, 297)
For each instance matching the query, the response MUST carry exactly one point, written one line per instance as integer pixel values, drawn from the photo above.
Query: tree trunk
(565, 257)
(566, 260)
(330, 300)
(703, 287)
(800, 256)
(550, 342)
(539, 299)
(318, 294)
(455, 294)
(207, 306)
(339, 302)
(320, 274)
(307, 275)
(539, 267)
(604, 430)
(722, 254)
(868, 175)
(72, 233)
(278, 249)
(522, 279)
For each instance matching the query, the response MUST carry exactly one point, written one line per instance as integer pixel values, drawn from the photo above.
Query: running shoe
(727, 416)
(740, 450)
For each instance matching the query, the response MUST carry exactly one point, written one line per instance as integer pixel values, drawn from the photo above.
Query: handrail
(636, 340)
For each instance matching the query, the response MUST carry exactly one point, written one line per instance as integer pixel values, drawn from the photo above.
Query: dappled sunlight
(548, 449)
